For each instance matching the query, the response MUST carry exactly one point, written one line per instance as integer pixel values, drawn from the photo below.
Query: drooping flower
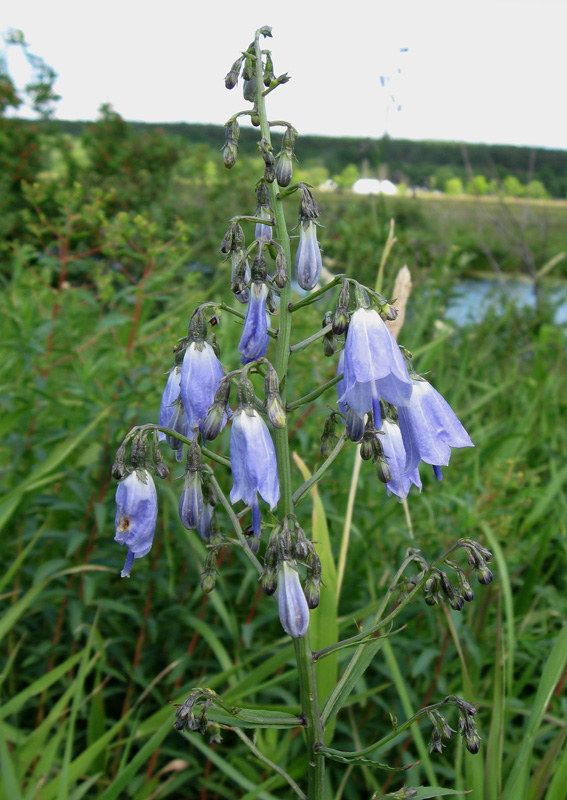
(201, 373)
(136, 515)
(354, 423)
(253, 462)
(293, 608)
(308, 262)
(429, 428)
(168, 398)
(393, 447)
(373, 366)
(254, 340)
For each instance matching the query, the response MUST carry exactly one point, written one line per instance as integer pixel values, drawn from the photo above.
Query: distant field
(465, 233)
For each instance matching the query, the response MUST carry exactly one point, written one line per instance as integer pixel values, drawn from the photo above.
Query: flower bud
(284, 167)
(383, 471)
(230, 147)
(269, 581)
(161, 469)
(354, 426)
(275, 410)
(484, 575)
(249, 90)
(119, 466)
(366, 449)
(280, 277)
(231, 78)
(208, 582)
(293, 608)
(268, 75)
(312, 592)
(328, 437)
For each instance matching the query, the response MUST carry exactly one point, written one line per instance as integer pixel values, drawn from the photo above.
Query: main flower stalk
(303, 654)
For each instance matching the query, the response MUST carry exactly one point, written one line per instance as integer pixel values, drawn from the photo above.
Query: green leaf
(369, 762)
(12, 500)
(117, 787)
(517, 785)
(422, 793)
(37, 687)
(253, 718)
(9, 779)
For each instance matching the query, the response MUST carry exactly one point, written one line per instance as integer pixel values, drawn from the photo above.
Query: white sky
(484, 71)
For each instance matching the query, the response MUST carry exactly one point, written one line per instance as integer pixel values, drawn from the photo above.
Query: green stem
(294, 348)
(305, 666)
(235, 522)
(306, 301)
(385, 739)
(316, 477)
(314, 394)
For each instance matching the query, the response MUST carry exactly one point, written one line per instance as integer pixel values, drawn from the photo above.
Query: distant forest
(416, 163)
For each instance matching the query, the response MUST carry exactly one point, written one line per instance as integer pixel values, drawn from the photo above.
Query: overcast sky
(480, 71)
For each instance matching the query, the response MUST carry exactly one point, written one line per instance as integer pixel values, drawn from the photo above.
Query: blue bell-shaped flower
(252, 461)
(136, 515)
(429, 428)
(201, 372)
(395, 453)
(373, 366)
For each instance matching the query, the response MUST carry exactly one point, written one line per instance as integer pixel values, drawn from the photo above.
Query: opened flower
(200, 375)
(429, 428)
(136, 515)
(254, 340)
(373, 366)
(395, 453)
(253, 463)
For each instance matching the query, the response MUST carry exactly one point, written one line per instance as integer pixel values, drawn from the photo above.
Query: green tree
(454, 186)
(477, 186)
(348, 177)
(511, 187)
(535, 190)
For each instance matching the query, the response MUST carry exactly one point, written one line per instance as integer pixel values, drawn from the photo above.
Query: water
(474, 297)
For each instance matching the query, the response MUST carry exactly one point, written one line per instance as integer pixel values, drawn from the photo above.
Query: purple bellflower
(168, 398)
(254, 340)
(253, 462)
(308, 262)
(293, 608)
(200, 375)
(136, 515)
(429, 428)
(354, 423)
(373, 366)
(395, 453)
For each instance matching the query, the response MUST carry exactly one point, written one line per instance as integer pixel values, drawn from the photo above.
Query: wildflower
(252, 457)
(191, 500)
(136, 515)
(254, 340)
(308, 263)
(201, 372)
(429, 428)
(168, 399)
(293, 608)
(400, 481)
(373, 366)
